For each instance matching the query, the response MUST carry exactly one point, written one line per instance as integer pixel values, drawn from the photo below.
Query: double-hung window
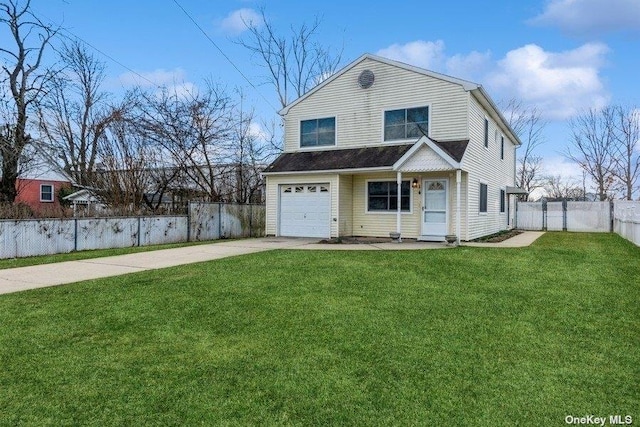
(382, 196)
(502, 147)
(407, 123)
(502, 201)
(318, 132)
(46, 193)
(483, 198)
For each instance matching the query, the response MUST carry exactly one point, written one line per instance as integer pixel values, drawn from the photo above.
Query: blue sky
(560, 55)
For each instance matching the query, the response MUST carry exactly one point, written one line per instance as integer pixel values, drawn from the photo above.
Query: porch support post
(458, 218)
(398, 212)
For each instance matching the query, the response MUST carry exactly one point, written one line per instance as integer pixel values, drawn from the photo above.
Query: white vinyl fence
(626, 220)
(620, 216)
(206, 221)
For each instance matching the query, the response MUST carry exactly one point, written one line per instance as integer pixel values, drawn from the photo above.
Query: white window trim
(318, 147)
(480, 198)
(403, 107)
(53, 191)
(395, 212)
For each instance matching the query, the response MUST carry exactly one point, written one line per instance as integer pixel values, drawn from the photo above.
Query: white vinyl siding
(485, 165)
(345, 208)
(360, 112)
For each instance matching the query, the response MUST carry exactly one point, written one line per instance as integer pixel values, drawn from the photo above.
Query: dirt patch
(498, 237)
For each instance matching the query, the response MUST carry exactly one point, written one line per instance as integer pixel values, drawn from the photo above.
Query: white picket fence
(626, 222)
(206, 221)
(621, 217)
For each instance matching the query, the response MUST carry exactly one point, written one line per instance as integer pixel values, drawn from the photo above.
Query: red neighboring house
(41, 195)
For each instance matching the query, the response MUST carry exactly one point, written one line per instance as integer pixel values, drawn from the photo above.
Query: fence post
(564, 215)
(515, 214)
(188, 221)
(75, 234)
(544, 216)
(139, 228)
(611, 213)
(250, 220)
(219, 220)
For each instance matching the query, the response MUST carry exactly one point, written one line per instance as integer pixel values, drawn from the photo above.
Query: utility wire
(224, 54)
(73, 37)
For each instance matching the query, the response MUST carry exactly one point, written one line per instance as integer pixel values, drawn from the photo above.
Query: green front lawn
(465, 336)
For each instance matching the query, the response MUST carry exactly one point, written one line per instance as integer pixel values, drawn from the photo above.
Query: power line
(73, 36)
(224, 54)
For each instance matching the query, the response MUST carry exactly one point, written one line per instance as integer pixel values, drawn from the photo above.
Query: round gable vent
(366, 79)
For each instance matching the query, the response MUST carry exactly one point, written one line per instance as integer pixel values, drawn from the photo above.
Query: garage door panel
(305, 210)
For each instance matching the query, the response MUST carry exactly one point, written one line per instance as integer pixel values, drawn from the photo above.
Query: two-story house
(384, 147)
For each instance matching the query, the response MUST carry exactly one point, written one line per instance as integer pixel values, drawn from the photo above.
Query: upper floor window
(502, 147)
(406, 123)
(318, 132)
(46, 193)
(486, 132)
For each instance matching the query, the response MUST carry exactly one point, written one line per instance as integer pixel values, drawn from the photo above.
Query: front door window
(434, 211)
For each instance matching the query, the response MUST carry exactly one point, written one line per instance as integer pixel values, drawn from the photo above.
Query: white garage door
(305, 210)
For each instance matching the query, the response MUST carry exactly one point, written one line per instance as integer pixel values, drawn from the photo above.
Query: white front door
(435, 208)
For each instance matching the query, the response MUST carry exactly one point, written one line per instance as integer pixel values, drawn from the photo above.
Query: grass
(98, 253)
(464, 336)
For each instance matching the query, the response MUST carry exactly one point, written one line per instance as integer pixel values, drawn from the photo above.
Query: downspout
(458, 208)
(398, 212)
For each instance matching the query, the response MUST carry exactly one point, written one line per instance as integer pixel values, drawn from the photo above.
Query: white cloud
(560, 84)
(425, 54)
(238, 20)
(472, 66)
(257, 131)
(561, 166)
(585, 17)
(159, 77)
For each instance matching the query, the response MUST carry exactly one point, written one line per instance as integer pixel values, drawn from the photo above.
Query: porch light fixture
(415, 183)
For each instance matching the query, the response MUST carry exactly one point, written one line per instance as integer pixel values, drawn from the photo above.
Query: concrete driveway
(40, 276)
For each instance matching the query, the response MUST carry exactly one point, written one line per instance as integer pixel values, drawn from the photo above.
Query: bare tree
(249, 152)
(120, 178)
(558, 187)
(592, 147)
(626, 129)
(296, 62)
(26, 80)
(193, 129)
(528, 124)
(74, 115)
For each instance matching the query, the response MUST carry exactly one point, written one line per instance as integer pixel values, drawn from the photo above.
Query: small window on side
(46, 193)
(483, 198)
(486, 132)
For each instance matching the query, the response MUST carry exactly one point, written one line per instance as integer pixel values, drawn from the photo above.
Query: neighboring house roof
(474, 88)
(386, 156)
